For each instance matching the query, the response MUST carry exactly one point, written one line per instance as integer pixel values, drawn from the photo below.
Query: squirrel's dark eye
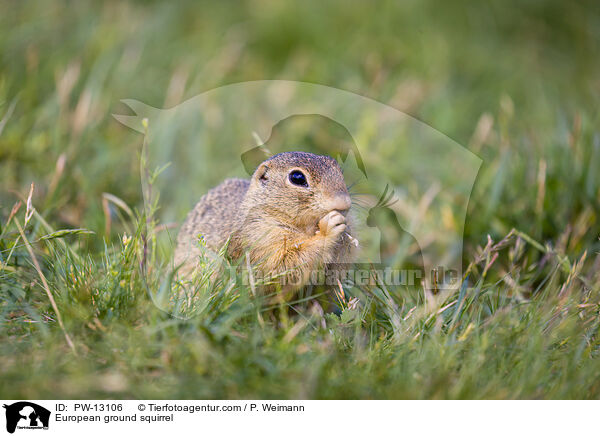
(298, 178)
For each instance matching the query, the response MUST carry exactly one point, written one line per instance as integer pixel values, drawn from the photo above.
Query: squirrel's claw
(332, 224)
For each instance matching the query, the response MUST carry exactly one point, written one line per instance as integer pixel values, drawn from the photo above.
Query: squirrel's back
(213, 218)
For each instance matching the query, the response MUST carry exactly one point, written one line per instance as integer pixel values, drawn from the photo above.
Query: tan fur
(285, 229)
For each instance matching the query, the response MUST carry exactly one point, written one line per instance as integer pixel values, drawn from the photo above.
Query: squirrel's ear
(261, 172)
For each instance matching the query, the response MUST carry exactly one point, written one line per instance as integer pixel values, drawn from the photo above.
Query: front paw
(332, 225)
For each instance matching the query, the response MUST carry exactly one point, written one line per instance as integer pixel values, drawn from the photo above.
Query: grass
(517, 86)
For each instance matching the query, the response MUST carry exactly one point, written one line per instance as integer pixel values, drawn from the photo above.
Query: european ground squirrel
(291, 218)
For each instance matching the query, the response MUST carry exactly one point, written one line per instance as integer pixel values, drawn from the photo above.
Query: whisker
(358, 197)
(391, 203)
(383, 196)
(360, 206)
(362, 203)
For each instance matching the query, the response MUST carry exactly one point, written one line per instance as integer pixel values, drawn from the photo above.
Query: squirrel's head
(299, 187)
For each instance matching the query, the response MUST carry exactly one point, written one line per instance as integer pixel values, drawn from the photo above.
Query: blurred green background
(529, 68)
(516, 82)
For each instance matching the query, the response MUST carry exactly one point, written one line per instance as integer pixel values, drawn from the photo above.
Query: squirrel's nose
(341, 201)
